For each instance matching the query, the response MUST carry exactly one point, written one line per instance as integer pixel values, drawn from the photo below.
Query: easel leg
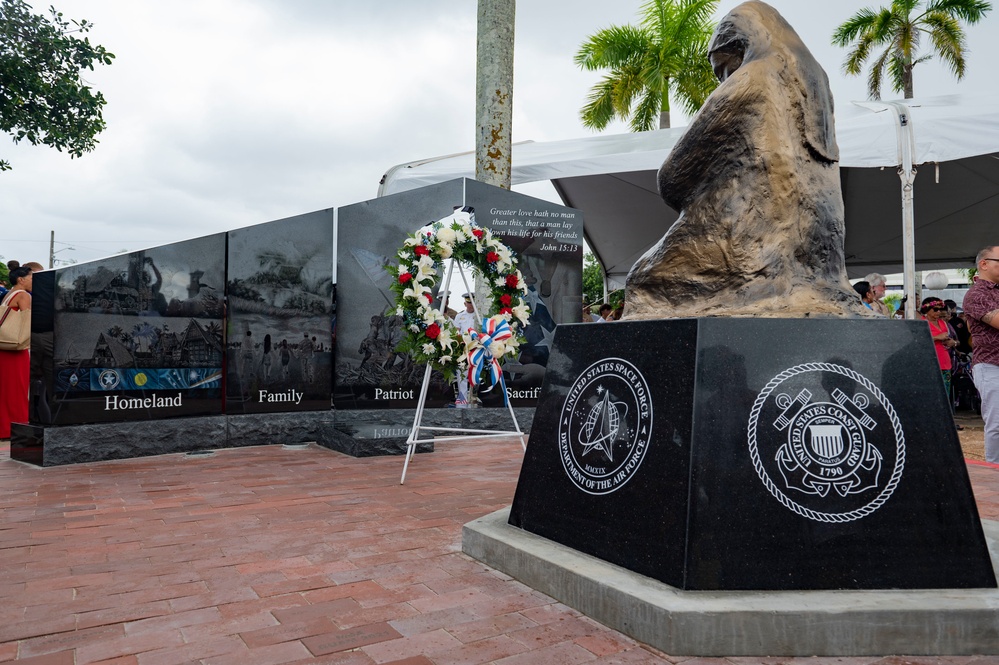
(414, 434)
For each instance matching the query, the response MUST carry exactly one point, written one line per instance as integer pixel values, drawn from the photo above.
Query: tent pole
(907, 174)
(908, 247)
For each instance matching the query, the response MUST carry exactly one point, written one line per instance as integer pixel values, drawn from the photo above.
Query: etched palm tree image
(139, 332)
(279, 315)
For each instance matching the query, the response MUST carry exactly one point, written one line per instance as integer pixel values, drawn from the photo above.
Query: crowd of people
(15, 365)
(964, 338)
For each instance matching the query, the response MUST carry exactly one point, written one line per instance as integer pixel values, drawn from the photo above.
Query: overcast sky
(226, 113)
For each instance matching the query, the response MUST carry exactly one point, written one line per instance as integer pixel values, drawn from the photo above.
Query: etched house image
(110, 352)
(199, 347)
(107, 290)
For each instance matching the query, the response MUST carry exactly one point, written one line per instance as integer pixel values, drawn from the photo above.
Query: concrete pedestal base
(745, 623)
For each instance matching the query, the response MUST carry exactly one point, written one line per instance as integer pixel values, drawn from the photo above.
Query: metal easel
(419, 427)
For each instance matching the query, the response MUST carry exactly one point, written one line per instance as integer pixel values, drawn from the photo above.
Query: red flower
(506, 310)
(429, 298)
(405, 277)
(511, 281)
(505, 299)
(478, 233)
(422, 250)
(492, 257)
(433, 330)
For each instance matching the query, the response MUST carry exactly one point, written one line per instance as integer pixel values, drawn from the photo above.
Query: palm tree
(900, 33)
(666, 54)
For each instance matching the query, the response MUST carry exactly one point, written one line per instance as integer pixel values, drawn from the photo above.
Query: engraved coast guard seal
(605, 426)
(826, 442)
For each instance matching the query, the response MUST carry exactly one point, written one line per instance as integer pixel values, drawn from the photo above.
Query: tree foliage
(667, 53)
(593, 280)
(901, 29)
(43, 97)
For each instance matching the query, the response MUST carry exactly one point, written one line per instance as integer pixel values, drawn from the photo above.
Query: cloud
(224, 114)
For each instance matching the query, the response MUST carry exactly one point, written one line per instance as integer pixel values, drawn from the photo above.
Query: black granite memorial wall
(132, 337)
(280, 293)
(735, 454)
(548, 239)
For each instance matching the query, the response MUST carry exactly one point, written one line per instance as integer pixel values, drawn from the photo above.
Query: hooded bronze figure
(756, 181)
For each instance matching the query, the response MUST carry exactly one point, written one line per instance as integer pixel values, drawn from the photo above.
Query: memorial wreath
(432, 337)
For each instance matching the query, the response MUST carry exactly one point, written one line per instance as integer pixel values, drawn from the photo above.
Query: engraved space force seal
(605, 426)
(826, 442)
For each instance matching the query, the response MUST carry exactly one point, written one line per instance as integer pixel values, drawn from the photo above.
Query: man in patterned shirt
(981, 308)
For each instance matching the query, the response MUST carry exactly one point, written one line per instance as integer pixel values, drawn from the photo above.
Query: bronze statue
(756, 181)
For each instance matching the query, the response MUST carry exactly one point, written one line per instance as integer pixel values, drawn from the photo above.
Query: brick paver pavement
(274, 555)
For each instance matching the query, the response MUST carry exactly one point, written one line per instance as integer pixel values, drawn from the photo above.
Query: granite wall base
(77, 444)
(369, 432)
(355, 433)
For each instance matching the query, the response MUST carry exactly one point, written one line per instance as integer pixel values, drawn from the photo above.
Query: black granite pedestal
(739, 454)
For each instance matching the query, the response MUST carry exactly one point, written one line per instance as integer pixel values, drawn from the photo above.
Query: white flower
(444, 339)
(445, 250)
(460, 235)
(446, 236)
(399, 311)
(498, 349)
(522, 312)
(424, 269)
(501, 281)
(444, 360)
(414, 328)
(428, 315)
(410, 242)
(429, 349)
(416, 292)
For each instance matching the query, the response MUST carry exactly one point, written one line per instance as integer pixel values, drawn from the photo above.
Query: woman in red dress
(935, 312)
(15, 366)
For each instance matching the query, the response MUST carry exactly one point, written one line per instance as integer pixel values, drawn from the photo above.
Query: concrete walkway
(274, 555)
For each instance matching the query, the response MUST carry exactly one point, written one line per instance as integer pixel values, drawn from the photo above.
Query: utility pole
(52, 250)
(494, 91)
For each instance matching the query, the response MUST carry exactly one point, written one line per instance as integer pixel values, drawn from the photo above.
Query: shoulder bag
(15, 326)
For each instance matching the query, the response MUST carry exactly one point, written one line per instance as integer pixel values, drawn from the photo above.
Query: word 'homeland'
(116, 403)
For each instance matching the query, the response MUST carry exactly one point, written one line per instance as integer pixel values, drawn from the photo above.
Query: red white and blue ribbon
(482, 358)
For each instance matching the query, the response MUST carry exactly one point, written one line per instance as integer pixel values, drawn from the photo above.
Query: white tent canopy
(953, 142)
